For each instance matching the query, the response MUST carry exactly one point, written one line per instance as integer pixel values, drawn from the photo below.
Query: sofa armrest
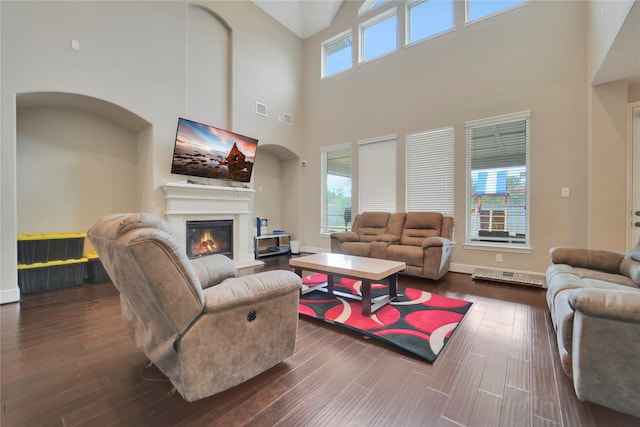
(251, 289)
(388, 238)
(607, 303)
(345, 236)
(213, 269)
(608, 261)
(435, 242)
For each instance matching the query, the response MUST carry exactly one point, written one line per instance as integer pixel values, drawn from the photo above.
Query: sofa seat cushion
(562, 277)
(356, 248)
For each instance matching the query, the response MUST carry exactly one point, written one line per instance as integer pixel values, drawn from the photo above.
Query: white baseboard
(9, 295)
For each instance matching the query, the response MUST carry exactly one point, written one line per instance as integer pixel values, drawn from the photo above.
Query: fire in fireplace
(209, 238)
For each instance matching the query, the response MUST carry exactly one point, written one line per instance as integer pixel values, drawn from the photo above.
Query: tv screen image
(209, 152)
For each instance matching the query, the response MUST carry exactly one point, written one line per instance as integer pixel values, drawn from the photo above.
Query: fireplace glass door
(209, 238)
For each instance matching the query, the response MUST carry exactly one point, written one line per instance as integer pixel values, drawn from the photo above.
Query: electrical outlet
(565, 191)
(498, 257)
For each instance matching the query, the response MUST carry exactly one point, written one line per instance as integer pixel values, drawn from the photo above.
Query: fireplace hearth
(209, 237)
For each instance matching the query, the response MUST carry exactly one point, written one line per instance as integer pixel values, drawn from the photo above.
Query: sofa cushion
(356, 248)
(370, 224)
(410, 255)
(420, 225)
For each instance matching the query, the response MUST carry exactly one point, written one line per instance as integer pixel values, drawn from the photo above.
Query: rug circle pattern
(418, 322)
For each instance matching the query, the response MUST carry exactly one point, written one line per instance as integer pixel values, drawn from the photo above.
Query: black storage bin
(48, 276)
(95, 269)
(45, 247)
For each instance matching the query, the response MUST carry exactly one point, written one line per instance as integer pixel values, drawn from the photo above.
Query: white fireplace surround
(196, 202)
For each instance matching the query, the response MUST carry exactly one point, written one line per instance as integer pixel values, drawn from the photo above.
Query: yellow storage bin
(45, 247)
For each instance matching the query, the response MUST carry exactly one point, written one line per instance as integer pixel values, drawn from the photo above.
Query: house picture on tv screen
(209, 152)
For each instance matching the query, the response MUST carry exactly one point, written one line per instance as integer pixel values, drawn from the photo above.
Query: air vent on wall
(287, 119)
(261, 109)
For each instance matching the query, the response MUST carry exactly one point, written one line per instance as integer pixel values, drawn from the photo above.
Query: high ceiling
(303, 17)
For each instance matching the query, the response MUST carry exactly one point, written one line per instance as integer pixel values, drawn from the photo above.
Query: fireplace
(194, 202)
(209, 237)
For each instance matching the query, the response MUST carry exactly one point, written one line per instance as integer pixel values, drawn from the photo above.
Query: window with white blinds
(498, 180)
(377, 175)
(430, 171)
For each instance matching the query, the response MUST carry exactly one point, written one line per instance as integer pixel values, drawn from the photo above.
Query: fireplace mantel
(193, 202)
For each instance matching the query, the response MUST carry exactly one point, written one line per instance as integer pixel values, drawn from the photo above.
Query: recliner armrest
(613, 304)
(430, 242)
(213, 269)
(250, 289)
(602, 260)
(345, 236)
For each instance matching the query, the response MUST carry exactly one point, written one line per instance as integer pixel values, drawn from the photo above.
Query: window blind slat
(377, 176)
(430, 171)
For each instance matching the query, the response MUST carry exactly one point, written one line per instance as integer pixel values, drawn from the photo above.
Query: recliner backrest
(156, 280)
(368, 225)
(420, 225)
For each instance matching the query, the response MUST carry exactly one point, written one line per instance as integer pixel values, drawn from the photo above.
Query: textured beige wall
(134, 55)
(531, 58)
(608, 166)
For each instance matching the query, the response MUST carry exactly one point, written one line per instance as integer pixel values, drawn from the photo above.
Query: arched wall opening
(77, 158)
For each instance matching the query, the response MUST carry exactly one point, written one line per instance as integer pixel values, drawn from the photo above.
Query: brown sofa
(420, 239)
(594, 300)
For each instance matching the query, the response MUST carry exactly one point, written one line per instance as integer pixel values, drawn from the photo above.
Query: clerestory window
(478, 9)
(336, 54)
(379, 35)
(427, 18)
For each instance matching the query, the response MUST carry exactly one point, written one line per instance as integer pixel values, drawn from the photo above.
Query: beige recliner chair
(205, 329)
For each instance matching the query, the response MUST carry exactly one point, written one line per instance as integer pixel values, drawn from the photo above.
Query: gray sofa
(422, 240)
(205, 329)
(594, 299)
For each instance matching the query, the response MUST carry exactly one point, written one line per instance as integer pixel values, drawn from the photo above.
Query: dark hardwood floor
(68, 361)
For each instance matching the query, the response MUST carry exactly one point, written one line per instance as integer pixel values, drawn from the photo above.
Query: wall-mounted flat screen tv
(209, 152)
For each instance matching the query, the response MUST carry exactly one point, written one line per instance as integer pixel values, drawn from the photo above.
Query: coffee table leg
(366, 297)
(393, 286)
(330, 284)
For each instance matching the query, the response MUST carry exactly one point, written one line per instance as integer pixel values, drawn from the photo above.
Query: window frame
(524, 247)
(325, 229)
(370, 23)
(467, 9)
(324, 58)
(409, 4)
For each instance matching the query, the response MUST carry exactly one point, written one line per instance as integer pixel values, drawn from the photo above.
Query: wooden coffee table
(360, 268)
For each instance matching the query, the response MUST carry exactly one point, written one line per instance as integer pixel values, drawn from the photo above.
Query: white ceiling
(303, 17)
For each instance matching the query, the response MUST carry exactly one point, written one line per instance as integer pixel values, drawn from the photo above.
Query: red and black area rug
(417, 322)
